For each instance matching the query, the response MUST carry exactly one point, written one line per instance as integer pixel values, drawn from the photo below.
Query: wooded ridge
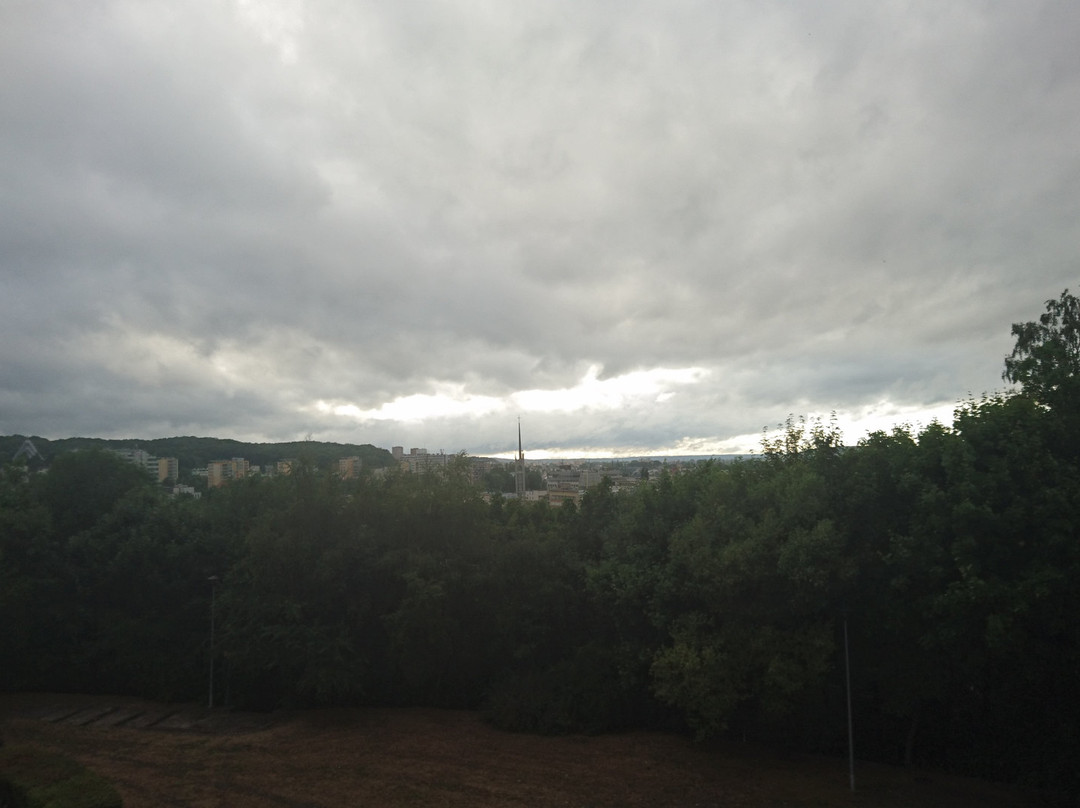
(195, 452)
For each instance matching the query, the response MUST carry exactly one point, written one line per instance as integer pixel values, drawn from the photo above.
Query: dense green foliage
(712, 601)
(32, 778)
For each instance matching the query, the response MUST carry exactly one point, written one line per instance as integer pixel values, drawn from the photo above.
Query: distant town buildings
(168, 468)
(554, 482)
(349, 468)
(561, 482)
(159, 468)
(419, 460)
(219, 472)
(566, 483)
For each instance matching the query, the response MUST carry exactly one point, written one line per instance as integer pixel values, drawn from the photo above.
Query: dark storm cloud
(408, 224)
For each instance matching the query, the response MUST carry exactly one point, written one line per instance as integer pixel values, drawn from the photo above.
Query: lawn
(185, 756)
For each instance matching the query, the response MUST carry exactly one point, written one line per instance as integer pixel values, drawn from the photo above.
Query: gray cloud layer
(214, 217)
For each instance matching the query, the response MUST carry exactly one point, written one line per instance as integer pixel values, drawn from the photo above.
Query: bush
(31, 778)
(583, 694)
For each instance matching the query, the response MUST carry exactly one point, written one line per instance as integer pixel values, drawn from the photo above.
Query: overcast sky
(640, 227)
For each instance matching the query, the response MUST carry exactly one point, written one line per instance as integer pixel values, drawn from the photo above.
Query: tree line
(713, 602)
(195, 452)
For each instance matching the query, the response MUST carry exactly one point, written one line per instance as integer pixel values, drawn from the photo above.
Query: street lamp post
(850, 728)
(213, 579)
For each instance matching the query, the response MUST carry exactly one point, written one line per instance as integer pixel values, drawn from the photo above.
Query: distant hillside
(197, 452)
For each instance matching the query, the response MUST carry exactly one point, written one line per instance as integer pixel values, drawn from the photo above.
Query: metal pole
(850, 730)
(213, 579)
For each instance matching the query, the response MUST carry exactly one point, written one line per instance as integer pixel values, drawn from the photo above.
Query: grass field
(164, 755)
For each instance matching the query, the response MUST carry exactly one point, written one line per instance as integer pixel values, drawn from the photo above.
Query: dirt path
(188, 756)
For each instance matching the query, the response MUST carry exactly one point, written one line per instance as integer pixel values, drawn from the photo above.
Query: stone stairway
(102, 711)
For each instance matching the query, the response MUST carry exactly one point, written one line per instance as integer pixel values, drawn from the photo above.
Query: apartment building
(168, 468)
(159, 468)
(420, 460)
(219, 472)
(349, 468)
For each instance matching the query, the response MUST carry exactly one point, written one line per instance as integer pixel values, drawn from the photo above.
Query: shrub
(32, 778)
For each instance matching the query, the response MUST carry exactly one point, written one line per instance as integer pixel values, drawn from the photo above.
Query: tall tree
(82, 487)
(1045, 361)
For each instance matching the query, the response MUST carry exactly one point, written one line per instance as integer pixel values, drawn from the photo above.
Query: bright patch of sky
(590, 393)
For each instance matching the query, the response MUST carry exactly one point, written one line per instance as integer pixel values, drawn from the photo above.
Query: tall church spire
(519, 474)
